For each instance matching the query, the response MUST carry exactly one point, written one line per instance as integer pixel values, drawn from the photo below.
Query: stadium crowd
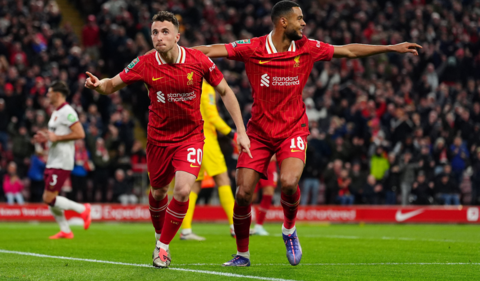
(389, 129)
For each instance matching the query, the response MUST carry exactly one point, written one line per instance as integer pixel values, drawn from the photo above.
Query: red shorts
(164, 161)
(262, 151)
(55, 178)
(272, 177)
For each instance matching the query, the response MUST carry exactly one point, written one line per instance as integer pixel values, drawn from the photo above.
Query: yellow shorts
(213, 160)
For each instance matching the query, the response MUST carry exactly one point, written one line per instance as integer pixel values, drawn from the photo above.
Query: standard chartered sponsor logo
(279, 81)
(265, 80)
(176, 97)
(160, 97)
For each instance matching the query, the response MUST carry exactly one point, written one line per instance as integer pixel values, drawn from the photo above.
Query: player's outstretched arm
(233, 108)
(353, 51)
(105, 86)
(213, 51)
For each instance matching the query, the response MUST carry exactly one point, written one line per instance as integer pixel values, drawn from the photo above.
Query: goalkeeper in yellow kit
(213, 163)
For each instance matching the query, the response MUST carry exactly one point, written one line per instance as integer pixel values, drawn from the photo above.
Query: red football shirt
(277, 81)
(174, 91)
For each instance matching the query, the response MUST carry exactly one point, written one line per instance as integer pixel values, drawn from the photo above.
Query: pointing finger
(246, 149)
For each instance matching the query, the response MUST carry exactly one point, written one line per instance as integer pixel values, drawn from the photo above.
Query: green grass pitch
(330, 252)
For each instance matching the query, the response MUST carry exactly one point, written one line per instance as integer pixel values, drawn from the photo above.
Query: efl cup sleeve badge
(133, 63)
(190, 78)
(297, 61)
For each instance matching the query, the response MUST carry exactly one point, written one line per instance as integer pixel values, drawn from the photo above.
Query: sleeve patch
(71, 117)
(246, 41)
(133, 63)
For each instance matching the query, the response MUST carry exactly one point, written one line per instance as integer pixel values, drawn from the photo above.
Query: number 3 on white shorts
(300, 144)
(191, 155)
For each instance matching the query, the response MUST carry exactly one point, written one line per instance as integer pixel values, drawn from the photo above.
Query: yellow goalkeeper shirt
(208, 107)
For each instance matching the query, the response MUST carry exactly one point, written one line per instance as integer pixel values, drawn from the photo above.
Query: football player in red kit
(278, 66)
(173, 75)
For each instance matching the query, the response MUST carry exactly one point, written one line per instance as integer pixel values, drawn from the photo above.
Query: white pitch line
(145, 265)
(342, 264)
(380, 238)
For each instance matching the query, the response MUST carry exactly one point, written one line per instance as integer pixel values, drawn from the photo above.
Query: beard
(293, 35)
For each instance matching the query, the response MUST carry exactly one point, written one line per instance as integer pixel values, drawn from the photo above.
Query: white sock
(287, 231)
(67, 204)
(186, 231)
(163, 246)
(157, 236)
(258, 225)
(244, 254)
(59, 216)
(232, 228)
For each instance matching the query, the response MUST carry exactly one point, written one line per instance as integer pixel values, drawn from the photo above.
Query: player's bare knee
(289, 184)
(243, 197)
(159, 193)
(182, 194)
(47, 198)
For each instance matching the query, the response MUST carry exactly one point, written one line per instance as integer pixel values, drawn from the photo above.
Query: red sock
(290, 207)
(242, 218)
(263, 209)
(173, 220)
(157, 211)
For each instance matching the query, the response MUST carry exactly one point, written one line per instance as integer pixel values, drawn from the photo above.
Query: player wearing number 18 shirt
(175, 139)
(278, 66)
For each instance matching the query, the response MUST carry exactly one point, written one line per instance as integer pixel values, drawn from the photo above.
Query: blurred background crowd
(388, 129)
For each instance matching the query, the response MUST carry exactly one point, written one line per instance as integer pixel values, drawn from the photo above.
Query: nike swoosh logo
(155, 79)
(193, 166)
(403, 217)
(265, 61)
(297, 150)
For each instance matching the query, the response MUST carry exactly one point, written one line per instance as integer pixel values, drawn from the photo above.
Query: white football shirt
(61, 154)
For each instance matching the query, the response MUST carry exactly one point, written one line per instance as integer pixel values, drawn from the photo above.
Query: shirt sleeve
(320, 51)
(70, 117)
(239, 50)
(210, 71)
(134, 71)
(210, 109)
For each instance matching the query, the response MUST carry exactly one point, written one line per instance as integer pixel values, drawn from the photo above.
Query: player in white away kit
(63, 129)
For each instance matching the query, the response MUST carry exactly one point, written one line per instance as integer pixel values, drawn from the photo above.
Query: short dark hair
(61, 87)
(166, 16)
(281, 8)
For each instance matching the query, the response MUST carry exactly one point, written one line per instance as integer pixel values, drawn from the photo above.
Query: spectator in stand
(138, 158)
(476, 178)
(101, 160)
(123, 188)
(35, 174)
(91, 37)
(3, 123)
(422, 191)
(392, 181)
(371, 191)
(344, 197)
(311, 171)
(379, 164)
(81, 167)
(359, 178)
(460, 156)
(13, 185)
(331, 176)
(440, 155)
(21, 146)
(447, 191)
(408, 170)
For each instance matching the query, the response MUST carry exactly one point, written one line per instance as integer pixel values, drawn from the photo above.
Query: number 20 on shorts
(299, 143)
(194, 156)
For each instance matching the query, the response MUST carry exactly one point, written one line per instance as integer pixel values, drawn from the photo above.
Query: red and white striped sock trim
(283, 202)
(159, 209)
(242, 217)
(175, 214)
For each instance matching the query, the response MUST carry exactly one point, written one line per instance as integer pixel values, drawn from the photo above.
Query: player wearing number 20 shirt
(175, 122)
(279, 123)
